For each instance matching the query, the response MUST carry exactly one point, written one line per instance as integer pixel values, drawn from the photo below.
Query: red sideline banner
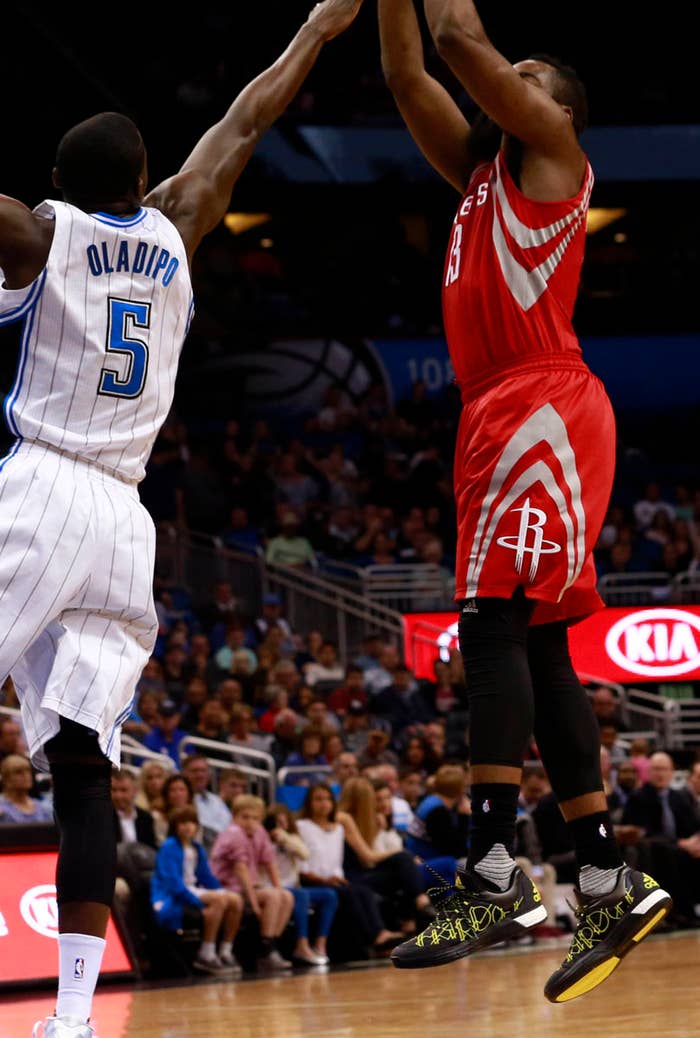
(29, 921)
(623, 645)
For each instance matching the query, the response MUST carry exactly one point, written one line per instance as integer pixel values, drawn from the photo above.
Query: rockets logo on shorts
(531, 519)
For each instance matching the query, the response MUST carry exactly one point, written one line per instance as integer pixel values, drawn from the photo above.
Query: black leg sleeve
(493, 643)
(566, 731)
(82, 801)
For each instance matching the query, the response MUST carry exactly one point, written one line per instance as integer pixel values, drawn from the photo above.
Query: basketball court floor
(497, 994)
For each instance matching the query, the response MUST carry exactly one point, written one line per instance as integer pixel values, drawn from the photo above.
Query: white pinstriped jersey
(104, 324)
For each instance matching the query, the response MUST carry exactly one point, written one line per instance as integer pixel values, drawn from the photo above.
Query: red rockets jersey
(511, 278)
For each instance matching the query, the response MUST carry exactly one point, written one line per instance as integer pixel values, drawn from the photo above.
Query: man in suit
(131, 823)
(671, 841)
(136, 854)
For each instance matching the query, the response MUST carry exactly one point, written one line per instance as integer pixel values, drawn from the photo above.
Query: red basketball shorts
(534, 466)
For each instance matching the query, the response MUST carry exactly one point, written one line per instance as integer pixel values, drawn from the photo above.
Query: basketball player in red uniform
(533, 474)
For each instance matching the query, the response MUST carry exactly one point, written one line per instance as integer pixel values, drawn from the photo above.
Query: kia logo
(660, 643)
(39, 909)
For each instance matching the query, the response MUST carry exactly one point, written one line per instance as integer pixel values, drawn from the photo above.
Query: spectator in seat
(610, 739)
(326, 668)
(196, 695)
(235, 641)
(377, 750)
(278, 699)
(144, 712)
(243, 859)
(606, 707)
(400, 703)
(345, 766)
(639, 755)
(175, 672)
(295, 489)
(369, 657)
(308, 649)
(232, 783)
(167, 734)
(136, 853)
(402, 813)
(647, 506)
(533, 786)
(16, 803)
(333, 745)
(351, 689)
(11, 741)
(290, 850)
(290, 547)
(317, 715)
(381, 675)
(285, 738)
(411, 785)
(212, 811)
(243, 732)
(671, 828)
(220, 613)
(271, 614)
(356, 726)
(388, 839)
(229, 692)
(132, 824)
(241, 535)
(440, 828)
(325, 840)
(309, 754)
(417, 755)
(177, 793)
(212, 725)
(149, 796)
(183, 879)
(391, 873)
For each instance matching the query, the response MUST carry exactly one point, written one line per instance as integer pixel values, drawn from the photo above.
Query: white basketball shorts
(77, 619)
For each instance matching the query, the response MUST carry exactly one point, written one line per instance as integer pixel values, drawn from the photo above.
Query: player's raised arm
(513, 99)
(431, 115)
(23, 243)
(198, 196)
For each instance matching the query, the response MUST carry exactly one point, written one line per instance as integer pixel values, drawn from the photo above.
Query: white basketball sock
(592, 880)
(496, 866)
(79, 962)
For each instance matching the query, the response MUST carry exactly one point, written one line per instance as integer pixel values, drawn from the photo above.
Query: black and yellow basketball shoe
(609, 926)
(470, 916)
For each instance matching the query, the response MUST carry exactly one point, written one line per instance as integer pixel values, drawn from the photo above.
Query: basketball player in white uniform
(101, 283)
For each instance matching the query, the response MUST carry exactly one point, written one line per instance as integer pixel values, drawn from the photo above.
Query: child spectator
(242, 857)
(183, 880)
(290, 850)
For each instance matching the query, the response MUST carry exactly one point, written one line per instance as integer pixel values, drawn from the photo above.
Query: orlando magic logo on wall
(289, 378)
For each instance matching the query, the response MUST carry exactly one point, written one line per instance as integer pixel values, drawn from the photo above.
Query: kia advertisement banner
(623, 645)
(29, 921)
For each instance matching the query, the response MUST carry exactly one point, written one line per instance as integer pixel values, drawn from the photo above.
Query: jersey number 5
(128, 377)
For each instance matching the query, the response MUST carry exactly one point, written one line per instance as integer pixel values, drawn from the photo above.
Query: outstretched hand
(333, 16)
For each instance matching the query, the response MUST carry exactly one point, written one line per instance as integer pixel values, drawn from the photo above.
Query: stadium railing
(261, 770)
